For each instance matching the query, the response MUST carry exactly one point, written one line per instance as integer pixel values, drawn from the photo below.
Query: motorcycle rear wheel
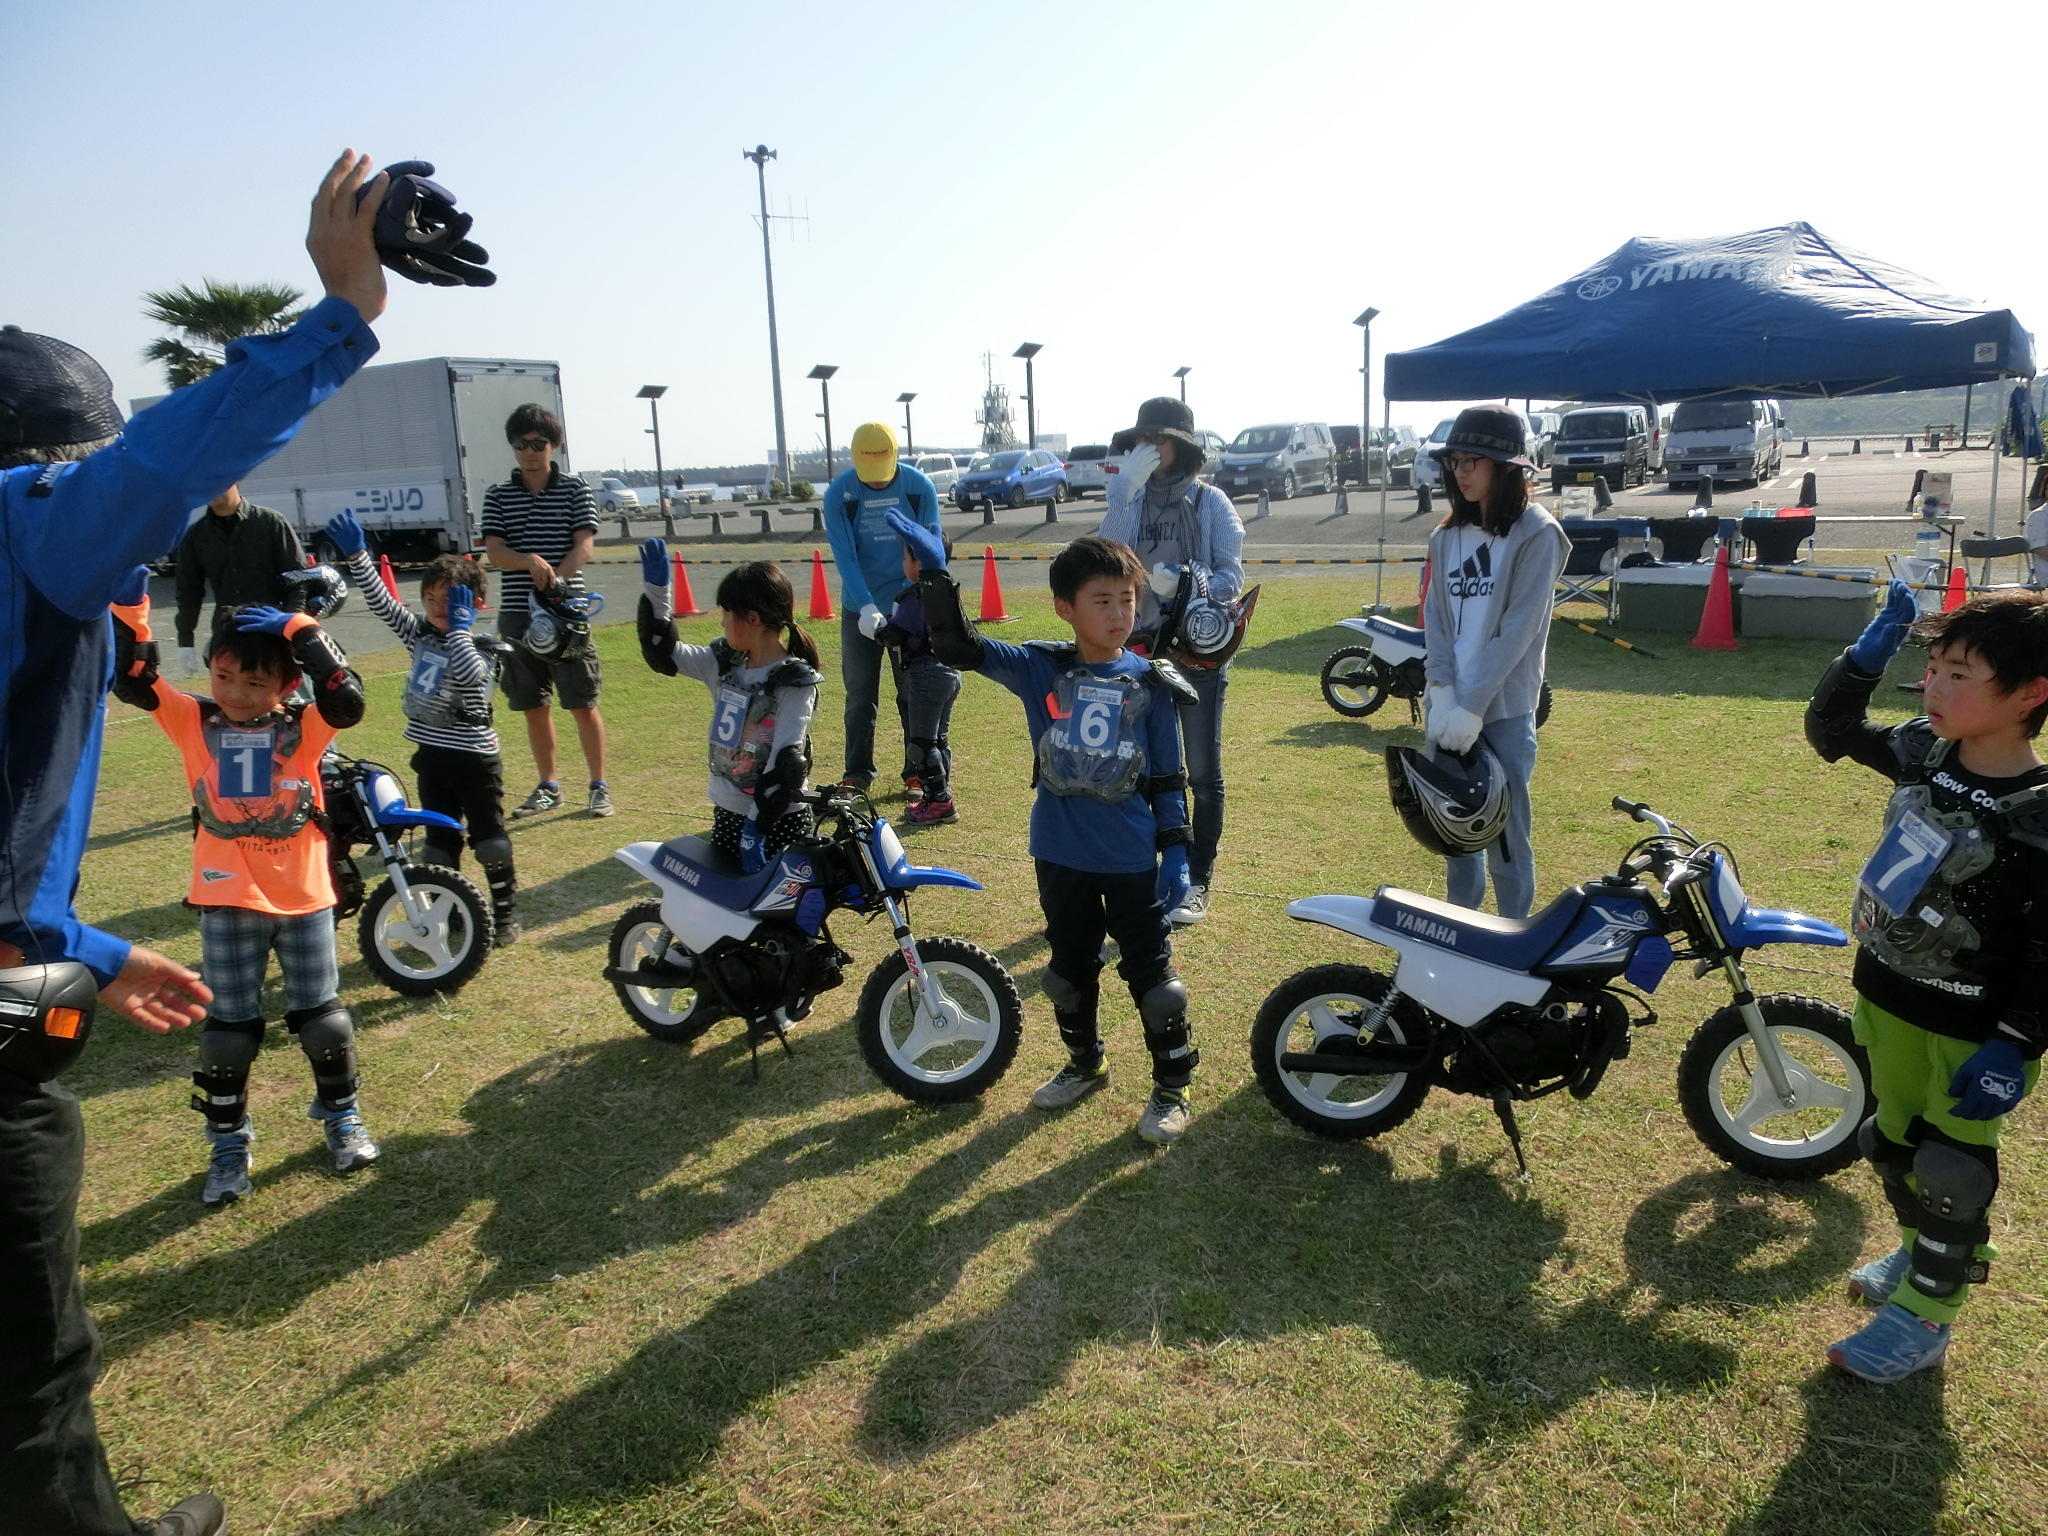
(1728, 1100)
(1354, 681)
(676, 1015)
(953, 1058)
(1308, 1010)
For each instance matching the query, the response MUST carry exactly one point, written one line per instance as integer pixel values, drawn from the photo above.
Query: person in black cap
(1494, 563)
(1174, 520)
(83, 504)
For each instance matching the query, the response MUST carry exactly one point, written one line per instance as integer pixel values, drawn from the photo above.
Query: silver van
(1739, 441)
(1282, 459)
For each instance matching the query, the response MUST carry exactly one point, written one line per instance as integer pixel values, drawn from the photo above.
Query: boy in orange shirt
(260, 876)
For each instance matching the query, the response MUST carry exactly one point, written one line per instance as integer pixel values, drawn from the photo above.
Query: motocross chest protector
(743, 720)
(1095, 745)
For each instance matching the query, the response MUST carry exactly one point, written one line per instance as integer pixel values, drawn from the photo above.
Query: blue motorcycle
(1514, 1009)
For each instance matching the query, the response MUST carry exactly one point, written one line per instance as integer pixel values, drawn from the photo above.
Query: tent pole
(1999, 420)
(1387, 479)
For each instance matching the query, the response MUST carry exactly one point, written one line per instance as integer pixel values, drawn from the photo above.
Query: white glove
(871, 620)
(661, 598)
(1136, 467)
(1438, 701)
(188, 659)
(1165, 581)
(1458, 729)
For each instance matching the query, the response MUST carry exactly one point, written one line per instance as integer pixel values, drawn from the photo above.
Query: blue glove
(461, 609)
(929, 548)
(1991, 1082)
(1174, 885)
(654, 562)
(265, 621)
(346, 534)
(753, 855)
(1880, 641)
(134, 587)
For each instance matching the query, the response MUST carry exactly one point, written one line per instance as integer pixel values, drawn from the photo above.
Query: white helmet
(1452, 803)
(1197, 629)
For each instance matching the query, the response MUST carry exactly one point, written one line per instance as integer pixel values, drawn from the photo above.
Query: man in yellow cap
(869, 557)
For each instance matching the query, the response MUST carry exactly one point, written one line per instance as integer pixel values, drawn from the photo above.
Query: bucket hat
(1492, 432)
(1163, 416)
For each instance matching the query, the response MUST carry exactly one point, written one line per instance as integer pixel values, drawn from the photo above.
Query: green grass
(603, 1285)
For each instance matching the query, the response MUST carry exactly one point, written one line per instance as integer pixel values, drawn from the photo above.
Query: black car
(1393, 448)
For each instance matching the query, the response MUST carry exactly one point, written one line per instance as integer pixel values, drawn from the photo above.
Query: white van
(942, 469)
(1738, 441)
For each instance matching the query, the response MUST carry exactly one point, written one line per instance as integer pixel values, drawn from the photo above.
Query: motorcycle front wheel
(959, 1054)
(1354, 681)
(444, 950)
(1307, 1012)
(673, 1014)
(1731, 1107)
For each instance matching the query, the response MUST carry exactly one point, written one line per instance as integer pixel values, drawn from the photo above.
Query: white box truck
(409, 448)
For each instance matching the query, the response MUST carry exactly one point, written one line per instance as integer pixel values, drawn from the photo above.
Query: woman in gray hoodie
(1494, 563)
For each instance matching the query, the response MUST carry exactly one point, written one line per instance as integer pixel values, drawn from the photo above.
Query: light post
(904, 400)
(1182, 375)
(823, 374)
(761, 154)
(1028, 351)
(1379, 571)
(652, 394)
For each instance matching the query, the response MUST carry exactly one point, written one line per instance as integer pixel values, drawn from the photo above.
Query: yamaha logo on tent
(1598, 287)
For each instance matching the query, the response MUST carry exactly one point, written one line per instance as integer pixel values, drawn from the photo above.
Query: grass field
(602, 1285)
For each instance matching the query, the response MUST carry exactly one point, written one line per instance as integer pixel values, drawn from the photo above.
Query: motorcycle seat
(694, 864)
(1512, 943)
(1380, 624)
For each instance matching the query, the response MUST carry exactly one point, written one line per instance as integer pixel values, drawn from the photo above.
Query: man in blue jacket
(870, 560)
(83, 504)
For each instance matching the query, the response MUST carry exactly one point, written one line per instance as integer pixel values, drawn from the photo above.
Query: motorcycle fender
(1347, 914)
(412, 818)
(639, 857)
(1763, 925)
(1358, 626)
(698, 923)
(909, 876)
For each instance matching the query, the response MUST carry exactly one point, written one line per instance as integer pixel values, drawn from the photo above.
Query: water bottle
(1925, 569)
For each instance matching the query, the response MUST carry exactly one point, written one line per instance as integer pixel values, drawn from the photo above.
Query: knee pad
(227, 1048)
(1893, 1160)
(441, 846)
(1163, 1003)
(327, 1034)
(1068, 996)
(1163, 1010)
(492, 850)
(1956, 1185)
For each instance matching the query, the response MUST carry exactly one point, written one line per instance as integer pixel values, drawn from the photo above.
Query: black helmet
(1197, 629)
(1452, 804)
(318, 590)
(558, 621)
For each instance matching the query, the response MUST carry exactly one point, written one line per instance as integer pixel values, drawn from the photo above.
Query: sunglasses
(532, 444)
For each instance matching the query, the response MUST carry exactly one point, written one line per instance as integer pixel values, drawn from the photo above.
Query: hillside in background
(1913, 411)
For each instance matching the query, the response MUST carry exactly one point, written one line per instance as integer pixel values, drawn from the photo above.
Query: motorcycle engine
(1409, 681)
(1530, 1045)
(781, 966)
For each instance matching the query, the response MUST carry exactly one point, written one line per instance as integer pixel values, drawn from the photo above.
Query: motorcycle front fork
(393, 854)
(1767, 1052)
(927, 984)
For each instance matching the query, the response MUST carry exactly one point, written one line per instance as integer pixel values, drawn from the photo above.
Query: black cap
(51, 393)
(1492, 432)
(1162, 415)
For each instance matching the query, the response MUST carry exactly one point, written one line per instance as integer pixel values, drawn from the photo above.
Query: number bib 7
(1095, 744)
(1906, 912)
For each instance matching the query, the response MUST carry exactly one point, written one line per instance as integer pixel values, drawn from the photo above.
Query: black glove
(423, 236)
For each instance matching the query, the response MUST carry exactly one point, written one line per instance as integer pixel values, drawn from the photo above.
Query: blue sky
(1135, 186)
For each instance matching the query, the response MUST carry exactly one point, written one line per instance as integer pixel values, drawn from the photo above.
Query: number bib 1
(246, 794)
(1095, 745)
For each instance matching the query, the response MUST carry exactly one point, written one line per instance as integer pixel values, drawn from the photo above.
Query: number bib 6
(1095, 745)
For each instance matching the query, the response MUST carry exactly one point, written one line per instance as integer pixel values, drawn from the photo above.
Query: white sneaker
(1193, 910)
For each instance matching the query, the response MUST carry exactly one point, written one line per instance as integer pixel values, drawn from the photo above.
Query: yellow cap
(874, 452)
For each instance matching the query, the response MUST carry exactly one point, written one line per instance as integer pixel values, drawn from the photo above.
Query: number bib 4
(1095, 745)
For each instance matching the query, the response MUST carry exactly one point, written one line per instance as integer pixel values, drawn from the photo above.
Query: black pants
(53, 1471)
(470, 786)
(1082, 908)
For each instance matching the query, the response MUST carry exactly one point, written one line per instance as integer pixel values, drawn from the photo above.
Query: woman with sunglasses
(1494, 563)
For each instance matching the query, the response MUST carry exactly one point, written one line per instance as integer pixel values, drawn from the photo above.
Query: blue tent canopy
(1780, 312)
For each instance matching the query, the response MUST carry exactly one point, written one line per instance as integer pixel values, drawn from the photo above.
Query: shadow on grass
(101, 841)
(1873, 1459)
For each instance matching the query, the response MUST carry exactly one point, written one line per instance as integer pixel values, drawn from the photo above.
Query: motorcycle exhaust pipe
(1377, 1058)
(650, 974)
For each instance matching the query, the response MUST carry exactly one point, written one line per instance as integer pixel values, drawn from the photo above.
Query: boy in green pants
(1951, 920)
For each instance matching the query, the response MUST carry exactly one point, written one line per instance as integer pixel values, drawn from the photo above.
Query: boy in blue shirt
(1109, 826)
(928, 688)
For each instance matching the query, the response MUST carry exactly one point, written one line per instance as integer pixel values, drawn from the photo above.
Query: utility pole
(761, 154)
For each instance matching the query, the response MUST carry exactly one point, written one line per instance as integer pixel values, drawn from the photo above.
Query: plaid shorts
(234, 952)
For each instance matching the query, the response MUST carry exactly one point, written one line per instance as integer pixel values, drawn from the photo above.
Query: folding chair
(1988, 550)
(1588, 574)
(1777, 540)
(1684, 539)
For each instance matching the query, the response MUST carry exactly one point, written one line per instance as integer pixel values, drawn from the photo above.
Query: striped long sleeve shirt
(449, 686)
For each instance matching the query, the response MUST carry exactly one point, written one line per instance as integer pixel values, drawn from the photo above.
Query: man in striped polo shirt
(540, 526)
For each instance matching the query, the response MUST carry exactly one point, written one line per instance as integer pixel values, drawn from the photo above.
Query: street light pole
(761, 154)
(1379, 570)
(909, 449)
(823, 374)
(652, 394)
(1028, 351)
(1182, 375)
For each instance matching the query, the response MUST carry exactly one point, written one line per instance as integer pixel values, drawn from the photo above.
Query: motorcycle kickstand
(759, 1030)
(1504, 1109)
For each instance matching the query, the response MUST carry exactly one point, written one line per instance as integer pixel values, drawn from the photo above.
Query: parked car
(1716, 440)
(1085, 467)
(1013, 477)
(1610, 442)
(1427, 473)
(1543, 427)
(942, 469)
(611, 494)
(1372, 472)
(1213, 449)
(1281, 458)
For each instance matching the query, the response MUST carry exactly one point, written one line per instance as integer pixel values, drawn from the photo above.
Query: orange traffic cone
(1717, 617)
(1958, 590)
(390, 579)
(685, 600)
(991, 590)
(1422, 592)
(821, 596)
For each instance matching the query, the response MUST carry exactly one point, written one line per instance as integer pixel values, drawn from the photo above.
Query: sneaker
(1070, 1085)
(227, 1174)
(601, 799)
(545, 797)
(913, 788)
(348, 1139)
(504, 930)
(1874, 1282)
(859, 783)
(1165, 1119)
(1891, 1346)
(200, 1515)
(934, 813)
(1193, 910)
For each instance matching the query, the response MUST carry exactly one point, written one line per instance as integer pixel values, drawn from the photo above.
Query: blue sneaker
(1876, 1281)
(1891, 1346)
(227, 1171)
(348, 1140)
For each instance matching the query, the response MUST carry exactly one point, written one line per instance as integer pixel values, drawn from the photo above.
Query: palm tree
(211, 316)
